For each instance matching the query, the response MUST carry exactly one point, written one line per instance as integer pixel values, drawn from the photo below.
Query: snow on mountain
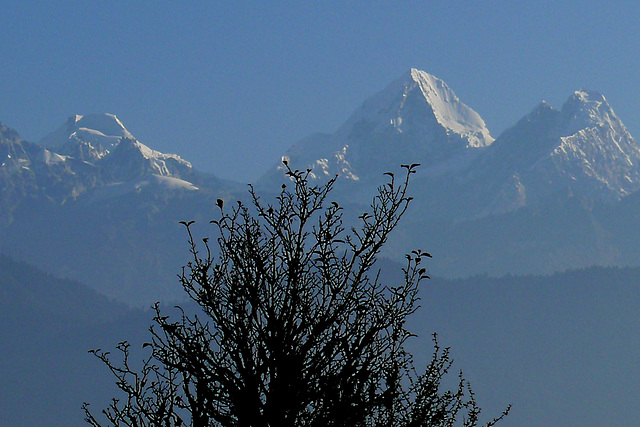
(586, 109)
(16, 179)
(30, 173)
(416, 119)
(450, 112)
(583, 149)
(89, 137)
(596, 146)
(88, 154)
(12, 153)
(102, 140)
(104, 195)
(119, 197)
(131, 159)
(17, 154)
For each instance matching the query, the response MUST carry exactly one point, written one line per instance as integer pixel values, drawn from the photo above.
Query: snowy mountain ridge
(572, 172)
(416, 118)
(583, 148)
(88, 137)
(87, 154)
(92, 137)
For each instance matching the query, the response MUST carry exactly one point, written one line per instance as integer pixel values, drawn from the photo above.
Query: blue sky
(230, 85)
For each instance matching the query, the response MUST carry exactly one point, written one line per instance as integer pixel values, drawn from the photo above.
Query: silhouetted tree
(296, 329)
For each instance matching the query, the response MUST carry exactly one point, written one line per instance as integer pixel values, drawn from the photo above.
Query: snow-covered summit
(106, 123)
(415, 119)
(583, 149)
(103, 140)
(425, 109)
(449, 111)
(419, 99)
(88, 137)
(587, 109)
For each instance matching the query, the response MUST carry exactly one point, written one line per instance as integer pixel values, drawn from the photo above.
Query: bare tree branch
(297, 327)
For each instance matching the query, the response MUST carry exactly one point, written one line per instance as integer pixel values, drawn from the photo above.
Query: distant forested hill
(47, 325)
(563, 349)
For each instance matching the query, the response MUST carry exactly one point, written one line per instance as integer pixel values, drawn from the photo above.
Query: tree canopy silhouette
(296, 326)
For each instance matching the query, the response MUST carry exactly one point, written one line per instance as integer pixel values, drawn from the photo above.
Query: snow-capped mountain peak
(87, 137)
(103, 142)
(587, 109)
(107, 124)
(449, 111)
(418, 99)
(415, 119)
(583, 149)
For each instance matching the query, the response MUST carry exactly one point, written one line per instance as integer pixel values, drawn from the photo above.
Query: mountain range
(557, 190)
(583, 147)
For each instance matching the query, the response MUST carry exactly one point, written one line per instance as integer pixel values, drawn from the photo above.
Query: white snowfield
(51, 158)
(151, 154)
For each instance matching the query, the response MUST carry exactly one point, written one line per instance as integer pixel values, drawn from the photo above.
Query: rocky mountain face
(80, 159)
(30, 172)
(557, 190)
